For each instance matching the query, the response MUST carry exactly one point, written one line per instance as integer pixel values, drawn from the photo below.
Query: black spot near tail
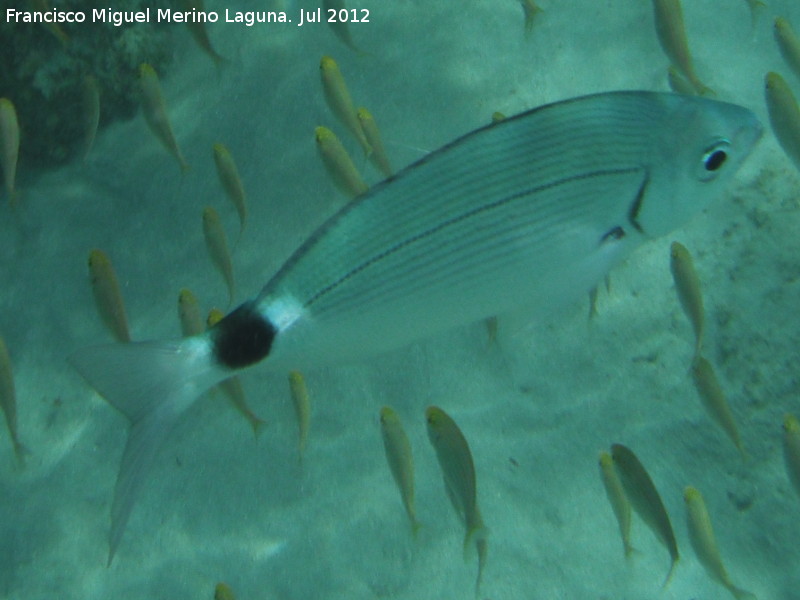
(242, 338)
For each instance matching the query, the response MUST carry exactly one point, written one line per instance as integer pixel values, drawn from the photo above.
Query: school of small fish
(220, 346)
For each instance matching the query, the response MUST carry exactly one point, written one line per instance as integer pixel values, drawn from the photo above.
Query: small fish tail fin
(630, 552)
(668, 579)
(476, 534)
(151, 383)
(741, 594)
(481, 546)
(415, 527)
(703, 90)
(756, 8)
(220, 63)
(257, 423)
(740, 447)
(530, 11)
(21, 452)
(232, 387)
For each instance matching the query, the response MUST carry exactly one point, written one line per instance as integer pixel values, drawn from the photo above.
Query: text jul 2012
(119, 17)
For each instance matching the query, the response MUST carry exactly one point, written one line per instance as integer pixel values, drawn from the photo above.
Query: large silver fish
(531, 210)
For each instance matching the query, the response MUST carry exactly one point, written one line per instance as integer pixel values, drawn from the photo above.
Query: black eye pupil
(715, 160)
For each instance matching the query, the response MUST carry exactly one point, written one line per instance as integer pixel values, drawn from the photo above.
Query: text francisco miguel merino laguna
(118, 17)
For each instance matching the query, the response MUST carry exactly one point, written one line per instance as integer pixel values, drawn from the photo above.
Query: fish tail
(21, 452)
(152, 384)
(257, 423)
(481, 546)
(742, 451)
(478, 534)
(415, 527)
(232, 388)
(741, 594)
(702, 89)
(671, 573)
(756, 8)
(220, 62)
(530, 16)
(630, 551)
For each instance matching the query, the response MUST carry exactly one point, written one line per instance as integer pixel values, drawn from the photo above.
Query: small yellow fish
(530, 9)
(617, 498)
(687, 284)
(338, 98)
(190, 314)
(155, 112)
(9, 142)
(232, 387)
(756, 6)
(302, 408)
(217, 244)
(784, 115)
(373, 135)
(678, 83)
(223, 592)
(215, 315)
(231, 182)
(788, 44)
(401, 462)
(497, 117)
(340, 26)
(338, 163)
(91, 113)
(705, 380)
(8, 401)
(107, 295)
(672, 36)
(646, 501)
(701, 534)
(43, 6)
(458, 470)
(791, 449)
(199, 32)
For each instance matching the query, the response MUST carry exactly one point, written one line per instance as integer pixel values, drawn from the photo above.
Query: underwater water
(537, 404)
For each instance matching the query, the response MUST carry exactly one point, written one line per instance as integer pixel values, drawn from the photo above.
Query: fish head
(791, 424)
(698, 150)
(388, 416)
(437, 420)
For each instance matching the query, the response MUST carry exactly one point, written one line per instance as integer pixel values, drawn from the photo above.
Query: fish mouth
(615, 233)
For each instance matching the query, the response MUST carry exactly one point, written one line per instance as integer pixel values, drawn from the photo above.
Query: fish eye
(713, 159)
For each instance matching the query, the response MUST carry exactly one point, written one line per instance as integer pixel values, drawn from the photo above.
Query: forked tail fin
(152, 383)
